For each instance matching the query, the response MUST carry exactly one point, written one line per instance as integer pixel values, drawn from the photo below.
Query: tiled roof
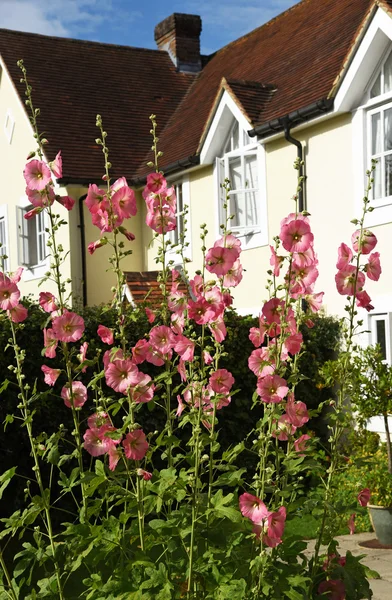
(73, 80)
(301, 52)
(145, 289)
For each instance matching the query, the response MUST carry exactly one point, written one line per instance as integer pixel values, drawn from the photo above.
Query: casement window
(31, 238)
(380, 333)
(182, 195)
(4, 240)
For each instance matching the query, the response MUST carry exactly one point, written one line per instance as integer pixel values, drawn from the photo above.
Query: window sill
(37, 272)
(381, 215)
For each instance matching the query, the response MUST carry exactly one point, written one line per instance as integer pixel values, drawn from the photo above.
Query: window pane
(235, 137)
(376, 134)
(376, 89)
(388, 129)
(388, 175)
(381, 337)
(237, 208)
(235, 173)
(251, 181)
(377, 192)
(252, 209)
(388, 74)
(31, 243)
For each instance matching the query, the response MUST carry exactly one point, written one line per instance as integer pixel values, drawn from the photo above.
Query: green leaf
(5, 478)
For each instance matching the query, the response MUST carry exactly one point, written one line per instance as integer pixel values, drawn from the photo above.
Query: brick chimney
(179, 35)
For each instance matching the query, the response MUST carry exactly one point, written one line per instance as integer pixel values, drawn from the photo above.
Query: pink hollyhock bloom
(345, 256)
(32, 213)
(68, 327)
(150, 315)
(93, 246)
(96, 199)
(272, 388)
(9, 293)
(50, 343)
(275, 261)
(121, 374)
(309, 323)
(276, 523)
(197, 286)
(135, 445)
(100, 218)
(114, 454)
(334, 588)
(143, 390)
(185, 348)
(218, 330)
(105, 334)
(284, 428)
(57, 166)
(297, 412)
(315, 301)
(307, 258)
(48, 302)
(233, 276)
(128, 234)
(98, 420)
(51, 375)
(139, 352)
(373, 268)
(296, 236)
(221, 381)
(364, 497)
(177, 323)
(156, 357)
(18, 313)
(253, 508)
(259, 363)
(162, 338)
(229, 241)
(272, 310)
(17, 275)
(351, 524)
(345, 281)
(37, 175)
(82, 354)
(257, 334)
(145, 474)
(41, 198)
(161, 221)
(293, 343)
(124, 203)
(66, 201)
(177, 301)
(77, 397)
(300, 444)
(97, 443)
(363, 300)
(368, 243)
(201, 311)
(180, 407)
(207, 358)
(220, 260)
(302, 280)
(182, 370)
(156, 183)
(292, 217)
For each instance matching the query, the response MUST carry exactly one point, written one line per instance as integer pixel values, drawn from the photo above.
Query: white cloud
(67, 18)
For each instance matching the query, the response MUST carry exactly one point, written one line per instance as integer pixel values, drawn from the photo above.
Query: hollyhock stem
(11, 590)
(139, 491)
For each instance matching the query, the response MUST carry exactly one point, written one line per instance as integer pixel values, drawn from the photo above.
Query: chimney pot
(179, 35)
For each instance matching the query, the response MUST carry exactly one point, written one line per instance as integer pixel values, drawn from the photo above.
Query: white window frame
(172, 251)
(5, 249)
(9, 126)
(31, 271)
(386, 318)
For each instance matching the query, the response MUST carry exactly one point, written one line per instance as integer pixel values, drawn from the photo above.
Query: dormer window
(383, 82)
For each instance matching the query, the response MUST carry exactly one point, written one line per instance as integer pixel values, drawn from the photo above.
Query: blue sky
(132, 22)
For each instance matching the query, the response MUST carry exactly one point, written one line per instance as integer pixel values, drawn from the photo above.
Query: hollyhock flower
(57, 166)
(201, 311)
(363, 300)
(284, 428)
(66, 201)
(315, 301)
(37, 175)
(177, 323)
(82, 354)
(105, 334)
(269, 541)
(150, 315)
(302, 280)
(275, 261)
(120, 375)
(368, 241)
(345, 256)
(161, 221)
(345, 281)
(114, 454)
(139, 351)
(18, 313)
(176, 301)
(144, 474)
(272, 310)
(300, 443)
(156, 183)
(233, 276)
(207, 358)
(135, 445)
(253, 508)
(51, 375)
(124, 203)
(182, 370)
(307, 258)
(9, 293)
(32, 213)
(292, 217)
(272, 388)
(68, 327)
(296, 236)
(96, 443)
(93, 246)
(293, 343)
(156, 357)
(41, 198)
(334, 558)
(297, 412)
(100, 218)
(373, 268)
(185, 348)
(50, 343)
(17, 275)
(220, 260)
(48, 302)
(334, 588)
(218, 330)
(276, 523)
(180, 407)
(162, 338)
(259, 363)
(221, 381)
(98, 420)
(143, 390)
(111, 356)
(197, 286)
(77, 397)
(364, 497)
(229, 241)
(96, 199)
(128, 234)
(257, 334)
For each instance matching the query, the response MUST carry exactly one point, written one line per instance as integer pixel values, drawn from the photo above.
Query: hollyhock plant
(51, 375)
(368, 241)
(348, 280)
(221, 381)
(272, 388)
(106, 335)
(68, 327)
(50, 343)
(121, 374)
(300, 444)
(345, 256)
(57, 166)
(373, 268)
(9, 293)
(37, 175)
(48, 302)
(296, 236)
(253, 508)
(220, 260)
(77, 397)
(144, 474)
(18, 313)
(135, 445)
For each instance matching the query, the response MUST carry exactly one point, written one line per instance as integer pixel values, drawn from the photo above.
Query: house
(314, 82)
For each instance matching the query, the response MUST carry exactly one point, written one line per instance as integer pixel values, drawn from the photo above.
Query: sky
(132, 22)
